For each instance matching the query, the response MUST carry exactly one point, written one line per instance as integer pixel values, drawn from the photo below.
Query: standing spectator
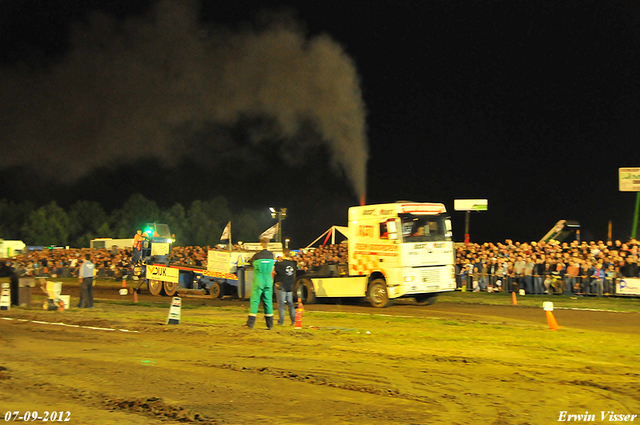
(630, 267)
(611, 276)
(585, 274)
(571, 277)
(538, 276)
(465, 276)
(285, 276)
(262, 285)
(547, 272)
(528, 275)
(491, 268)
(518, 270)
(458, 273)
(557, 275)
(480, 272)
(85, 275)
(597, 282)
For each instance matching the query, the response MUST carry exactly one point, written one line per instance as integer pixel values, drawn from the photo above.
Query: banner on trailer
(628, 286)
(165, 274)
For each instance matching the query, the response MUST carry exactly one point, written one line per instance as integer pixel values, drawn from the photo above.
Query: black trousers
(15, 288)
(86, 293)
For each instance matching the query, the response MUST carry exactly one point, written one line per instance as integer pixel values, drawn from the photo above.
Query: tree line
(200, 224)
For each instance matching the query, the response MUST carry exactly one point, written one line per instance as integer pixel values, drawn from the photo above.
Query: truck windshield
(422, 228)
(159, 230)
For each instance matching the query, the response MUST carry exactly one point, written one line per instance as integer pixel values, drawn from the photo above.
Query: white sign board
(5, 297)
(160, 248)
(218, 261)
(174, 311)
(628, 286)
(629, 179)
(470, 204)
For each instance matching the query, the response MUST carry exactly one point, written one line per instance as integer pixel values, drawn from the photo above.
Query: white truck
(396, 250)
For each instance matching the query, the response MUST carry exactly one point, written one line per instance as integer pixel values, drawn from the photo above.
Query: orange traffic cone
(135, 296)
(514, 299)
(299, 310)
(553, 325)
(124, 282)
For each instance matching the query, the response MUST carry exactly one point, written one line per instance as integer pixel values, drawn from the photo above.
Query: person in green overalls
(262, 290)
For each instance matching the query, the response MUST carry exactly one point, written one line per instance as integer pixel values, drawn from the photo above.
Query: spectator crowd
(572, 268)
(66, 262)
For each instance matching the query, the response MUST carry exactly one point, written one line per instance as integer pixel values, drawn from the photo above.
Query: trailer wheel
(216, 290)
(155, 287)
(170, 288)
(426, 299)
(304, 290)
(377, 293)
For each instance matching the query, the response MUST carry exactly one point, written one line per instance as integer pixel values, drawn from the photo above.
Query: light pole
(280, 214)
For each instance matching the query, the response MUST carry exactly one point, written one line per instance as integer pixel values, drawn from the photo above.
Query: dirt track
(224, 373)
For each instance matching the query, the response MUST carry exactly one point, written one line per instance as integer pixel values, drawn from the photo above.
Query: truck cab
(156, 248)
(396, 250)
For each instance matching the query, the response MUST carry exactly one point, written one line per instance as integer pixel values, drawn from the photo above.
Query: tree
(206, 220)
(48, 225)
(135, 213)
(85, 218)
(13, 217)
(176, 218)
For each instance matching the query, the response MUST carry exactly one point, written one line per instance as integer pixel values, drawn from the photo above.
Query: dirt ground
(120, 364)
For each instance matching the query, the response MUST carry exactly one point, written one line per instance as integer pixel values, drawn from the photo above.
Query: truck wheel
(426, 299)
(377, 293)
(304, 290)
(155, 287)
(216, 290)
(170, 288)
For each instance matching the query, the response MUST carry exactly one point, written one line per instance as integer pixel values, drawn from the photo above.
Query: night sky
(531, 105)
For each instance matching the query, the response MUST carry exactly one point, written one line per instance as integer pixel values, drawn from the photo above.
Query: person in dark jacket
(631, 268)
(7, 270)
(538, 276)
(285, 277)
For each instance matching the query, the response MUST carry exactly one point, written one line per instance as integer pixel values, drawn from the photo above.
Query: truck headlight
(409, 279)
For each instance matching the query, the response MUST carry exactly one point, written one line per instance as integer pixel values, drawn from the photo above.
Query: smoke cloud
(143, 87)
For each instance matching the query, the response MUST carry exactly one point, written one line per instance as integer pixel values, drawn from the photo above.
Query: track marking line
(40, 322)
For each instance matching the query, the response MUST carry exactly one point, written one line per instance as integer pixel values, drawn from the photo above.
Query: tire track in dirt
(342, 379)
